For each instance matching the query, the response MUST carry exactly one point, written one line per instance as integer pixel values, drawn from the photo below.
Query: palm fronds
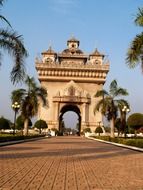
(101, 93)
(1, 2)
(121, 92)
(139, 17)
(5, 20)
(18, 95)
(135, 52)
(42, 94)
(134, 55)
(121, 103)
(13, 44)
(28, 98)
(113, 88)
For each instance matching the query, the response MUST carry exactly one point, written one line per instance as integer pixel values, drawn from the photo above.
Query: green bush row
(137, 142)
(7, 138)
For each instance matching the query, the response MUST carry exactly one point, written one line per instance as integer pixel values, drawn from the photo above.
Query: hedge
(137, 142)
(7, 138)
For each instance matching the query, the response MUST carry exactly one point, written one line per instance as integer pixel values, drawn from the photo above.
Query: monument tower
(71, 78)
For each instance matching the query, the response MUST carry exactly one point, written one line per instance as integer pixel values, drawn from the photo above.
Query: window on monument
(73, 46)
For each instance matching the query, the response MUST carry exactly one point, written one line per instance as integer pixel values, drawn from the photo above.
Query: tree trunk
(112, 126)
(26, 121)
(135, 133)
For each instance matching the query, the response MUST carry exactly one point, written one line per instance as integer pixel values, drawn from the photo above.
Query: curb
(20, 141)
(117, 144)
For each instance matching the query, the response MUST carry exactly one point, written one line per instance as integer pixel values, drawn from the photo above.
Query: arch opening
(70, 118)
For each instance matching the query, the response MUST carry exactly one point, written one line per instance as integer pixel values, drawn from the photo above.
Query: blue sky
(104, 24)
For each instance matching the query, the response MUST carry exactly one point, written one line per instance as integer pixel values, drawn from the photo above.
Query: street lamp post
(15, 106)
(125, 110)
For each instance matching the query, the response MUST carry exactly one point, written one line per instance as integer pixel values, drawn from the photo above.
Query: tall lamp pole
(125, 110)
(15, 106)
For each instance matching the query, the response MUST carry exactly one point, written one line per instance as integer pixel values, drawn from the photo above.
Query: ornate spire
(50, 51)
(96, 53)
(73, 40)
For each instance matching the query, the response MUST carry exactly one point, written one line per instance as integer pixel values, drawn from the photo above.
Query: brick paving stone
(69, 163)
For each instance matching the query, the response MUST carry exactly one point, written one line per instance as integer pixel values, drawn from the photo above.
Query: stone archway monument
(71, 78)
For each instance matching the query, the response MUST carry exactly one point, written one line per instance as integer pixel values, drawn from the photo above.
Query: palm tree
(135, 51)
(109, 105)
(29, 100)
(11, 42)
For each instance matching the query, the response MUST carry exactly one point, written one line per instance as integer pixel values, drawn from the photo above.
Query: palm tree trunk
(26, 127)
(112, 126)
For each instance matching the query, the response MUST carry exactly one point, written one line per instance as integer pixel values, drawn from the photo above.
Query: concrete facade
(71, 78)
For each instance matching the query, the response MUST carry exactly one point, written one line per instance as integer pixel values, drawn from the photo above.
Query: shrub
(6, 138)
(99, 130)
(40, 124)
(87, 130)
(135, 142)
(135, 121)
(138, 142)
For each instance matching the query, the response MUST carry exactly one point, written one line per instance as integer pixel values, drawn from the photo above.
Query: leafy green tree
(29, 100)
(135, 51)
(99, 130)
(4, 123)
(109, 103)
(135, 121)
(11, 42)
(40, 124)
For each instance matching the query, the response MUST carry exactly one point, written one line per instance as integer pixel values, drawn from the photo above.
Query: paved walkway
(69, 163)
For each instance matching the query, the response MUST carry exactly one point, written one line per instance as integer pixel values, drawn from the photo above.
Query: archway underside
(66, 108)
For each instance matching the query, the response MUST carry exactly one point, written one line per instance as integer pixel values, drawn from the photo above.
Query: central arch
(66, 108)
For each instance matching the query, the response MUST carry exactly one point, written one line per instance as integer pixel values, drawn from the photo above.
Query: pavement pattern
(69, 163)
